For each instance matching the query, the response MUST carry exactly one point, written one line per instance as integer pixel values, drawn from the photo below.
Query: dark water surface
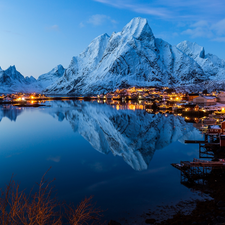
(121, 157)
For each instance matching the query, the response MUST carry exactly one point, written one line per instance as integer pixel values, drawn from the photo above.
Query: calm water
(121, 157)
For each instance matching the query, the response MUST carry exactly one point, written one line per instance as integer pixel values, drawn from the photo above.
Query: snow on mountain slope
(133, 57)
(133, 135)
(30, 79)
(50, 77)
(213, 67)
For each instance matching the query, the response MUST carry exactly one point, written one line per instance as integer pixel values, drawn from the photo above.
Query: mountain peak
(95, 50)
(192, 49)
(13, 67)
(138, 28)
(59, 67)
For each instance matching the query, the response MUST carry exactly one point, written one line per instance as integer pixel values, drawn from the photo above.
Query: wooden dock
(183, 165)
(195, 142)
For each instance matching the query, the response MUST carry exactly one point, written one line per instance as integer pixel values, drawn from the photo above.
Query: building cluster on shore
(18, 97)
(165, 94)
(151, 99)
(22, 99)
(165, 100)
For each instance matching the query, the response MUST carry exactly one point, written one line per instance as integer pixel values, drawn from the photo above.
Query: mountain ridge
(132, 57)
(12, 81)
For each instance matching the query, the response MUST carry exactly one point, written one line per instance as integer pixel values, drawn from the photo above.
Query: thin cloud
(11, 32)
(201, 23)
(81, 24)
(139, 8)
(100, 19)
(199, 29)
(203, 28)
(219, 27)
(219, 39)
(173, 9)
(53, 28)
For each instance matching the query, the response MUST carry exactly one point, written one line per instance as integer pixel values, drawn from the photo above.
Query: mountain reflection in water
(10, 112)
(133, 135)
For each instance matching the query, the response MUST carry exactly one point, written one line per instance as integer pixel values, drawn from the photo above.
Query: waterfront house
(214, 129)
(192, 96)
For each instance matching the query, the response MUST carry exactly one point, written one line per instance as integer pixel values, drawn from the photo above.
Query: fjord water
(121, 157)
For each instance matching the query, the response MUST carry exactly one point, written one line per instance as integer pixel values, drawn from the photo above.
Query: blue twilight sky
(37, 35)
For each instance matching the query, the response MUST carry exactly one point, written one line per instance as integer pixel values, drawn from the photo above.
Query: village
(157, 99)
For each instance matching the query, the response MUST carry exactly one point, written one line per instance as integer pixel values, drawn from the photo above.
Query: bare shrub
(40, 208)
(84, 213)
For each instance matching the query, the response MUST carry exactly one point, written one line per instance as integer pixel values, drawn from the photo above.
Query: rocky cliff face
(132, 57)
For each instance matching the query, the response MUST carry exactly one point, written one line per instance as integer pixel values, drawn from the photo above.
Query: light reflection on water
(123, 158)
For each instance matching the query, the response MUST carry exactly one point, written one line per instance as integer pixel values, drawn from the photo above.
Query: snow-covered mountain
(213, 67)
(13, 81)
(132, 57)
(51, 77)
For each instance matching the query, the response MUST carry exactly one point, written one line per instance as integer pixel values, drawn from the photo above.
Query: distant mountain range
(13, 81)
(132, 57)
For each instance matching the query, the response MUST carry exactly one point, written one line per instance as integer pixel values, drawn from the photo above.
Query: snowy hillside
(213, 67)
(51, 77)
